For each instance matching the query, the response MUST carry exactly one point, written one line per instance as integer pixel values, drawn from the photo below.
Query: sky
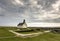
(33, 11)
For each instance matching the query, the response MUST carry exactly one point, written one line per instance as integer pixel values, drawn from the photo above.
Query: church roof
(20, 24)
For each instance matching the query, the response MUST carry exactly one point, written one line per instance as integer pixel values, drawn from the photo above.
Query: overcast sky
(14, 11)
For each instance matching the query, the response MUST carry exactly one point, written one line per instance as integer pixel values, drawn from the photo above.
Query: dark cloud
(2, 15)
(7, 5)
(46, 4)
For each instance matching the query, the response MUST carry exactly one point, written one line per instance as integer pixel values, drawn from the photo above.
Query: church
(22, 25)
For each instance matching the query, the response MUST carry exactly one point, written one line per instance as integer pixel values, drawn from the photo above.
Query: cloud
(56, 5)
(18, 2)
(31, 10)
(43, 14)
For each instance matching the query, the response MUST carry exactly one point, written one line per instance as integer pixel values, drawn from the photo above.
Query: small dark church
(22, 25)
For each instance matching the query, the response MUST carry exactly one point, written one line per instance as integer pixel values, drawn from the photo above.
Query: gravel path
(28, 35)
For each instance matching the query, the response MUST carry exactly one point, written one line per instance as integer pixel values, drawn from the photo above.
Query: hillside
(5, 35)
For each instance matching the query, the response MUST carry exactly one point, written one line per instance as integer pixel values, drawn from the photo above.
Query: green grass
(43, 37)
(4, 32)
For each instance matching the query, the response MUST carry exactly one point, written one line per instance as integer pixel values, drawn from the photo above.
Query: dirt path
(28, 35)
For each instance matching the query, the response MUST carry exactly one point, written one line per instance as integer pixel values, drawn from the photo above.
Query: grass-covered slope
(43, 37)
(4, 32)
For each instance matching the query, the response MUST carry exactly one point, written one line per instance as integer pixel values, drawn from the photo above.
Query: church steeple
(24, 21)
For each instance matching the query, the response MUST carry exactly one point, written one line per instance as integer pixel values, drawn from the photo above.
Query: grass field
(43, 37)
(4, 32)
